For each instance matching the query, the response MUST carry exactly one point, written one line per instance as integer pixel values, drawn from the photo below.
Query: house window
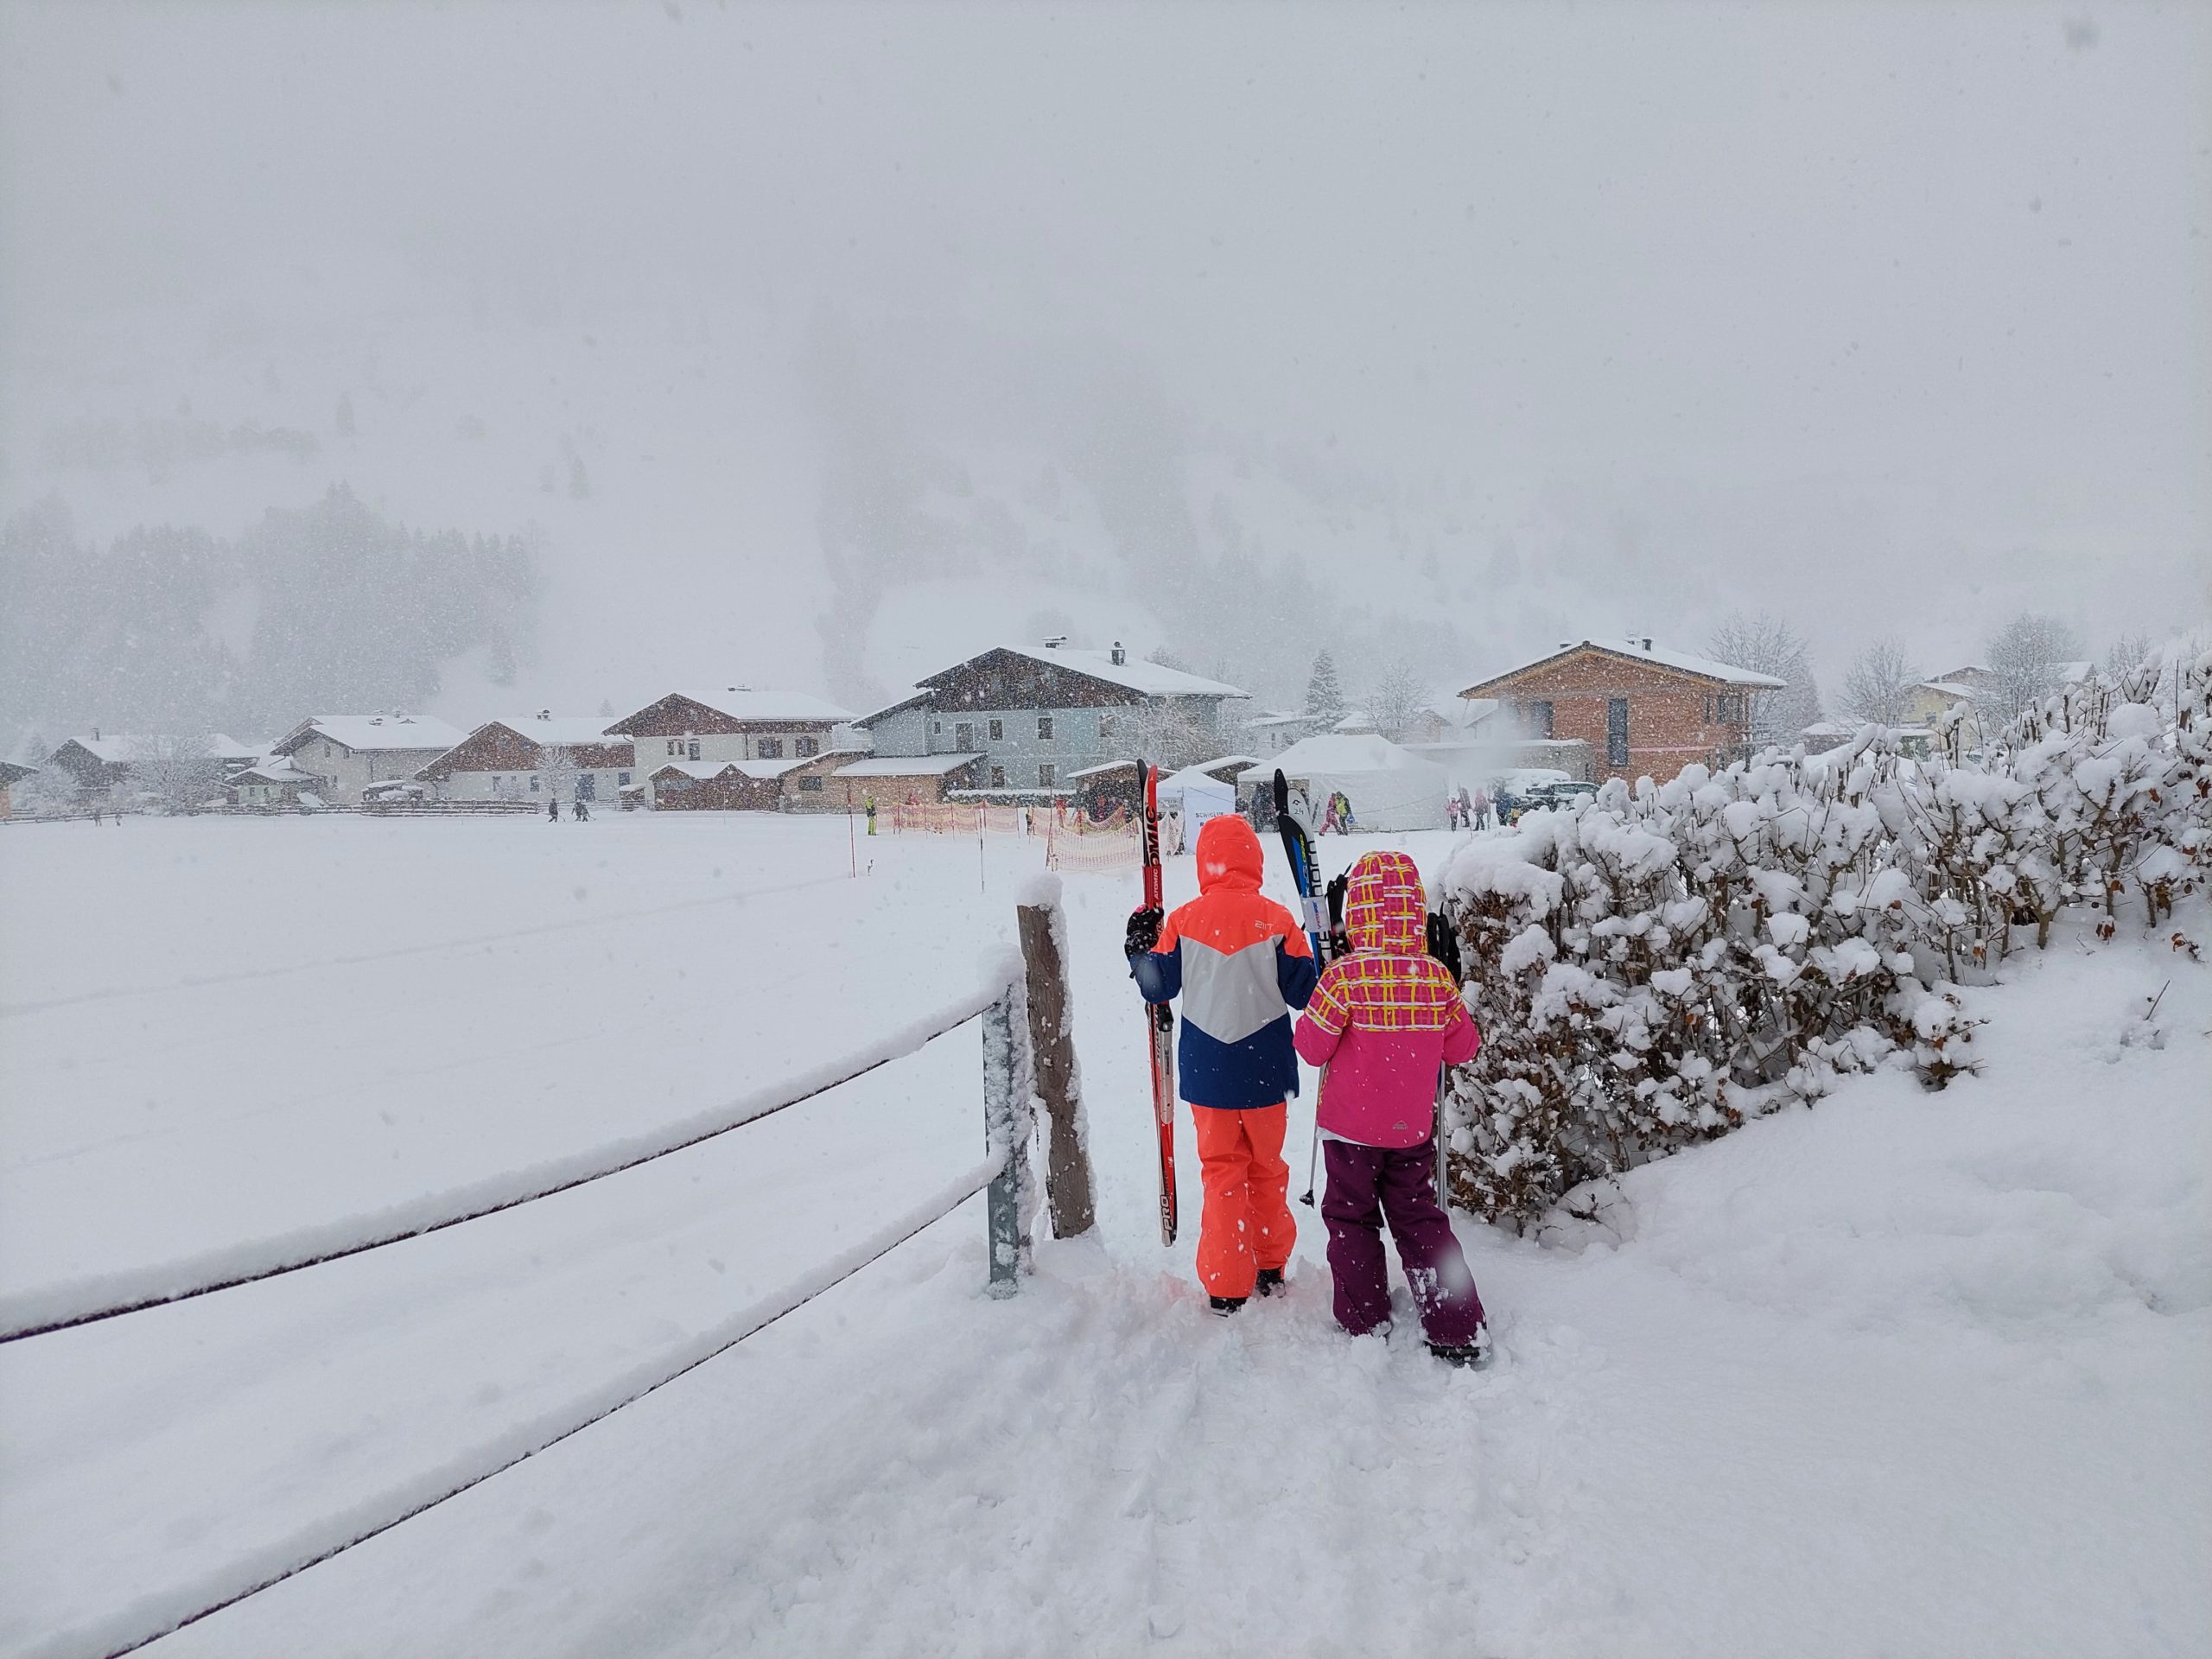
(675, 746)
(998, 731)
(963, 736)
(1731, 706)
(809, 783)
(587, 786)
(998, 773)
(771, 748)
(691, 750)
(1044, 728)
(803, 746)
(1617, 731)
(621, 781)
(936, 728)
(1538, 715)
(1105, 725)
(1045, 776)
(533, 783)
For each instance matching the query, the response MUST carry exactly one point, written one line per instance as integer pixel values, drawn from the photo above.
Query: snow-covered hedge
(1651, 967)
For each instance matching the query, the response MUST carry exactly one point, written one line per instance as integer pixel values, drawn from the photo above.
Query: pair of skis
(1158, 1022)
(1324, 924)
(1320, 930)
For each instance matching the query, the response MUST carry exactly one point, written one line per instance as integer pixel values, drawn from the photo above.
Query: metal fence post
(1006, 1123)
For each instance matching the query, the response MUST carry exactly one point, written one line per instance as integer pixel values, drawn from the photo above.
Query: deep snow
(1901, 1373)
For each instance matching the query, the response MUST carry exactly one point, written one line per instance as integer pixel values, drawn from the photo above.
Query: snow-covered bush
(1652, 967)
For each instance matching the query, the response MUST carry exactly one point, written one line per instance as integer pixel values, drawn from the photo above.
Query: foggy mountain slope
(706, 488)
(650, 460)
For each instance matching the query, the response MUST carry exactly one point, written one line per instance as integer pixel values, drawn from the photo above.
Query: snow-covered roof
(119, 748)
(113, 750)
(1275, 717)
(562, 731)
(906, 766)
(366, 733)
(1150, 678)
(743, 703)
(1949, 689)
(1665, 656)
(1337, 752)
(1103, 768)
(274, 771)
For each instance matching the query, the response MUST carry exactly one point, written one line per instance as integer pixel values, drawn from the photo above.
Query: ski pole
(1313, 1158)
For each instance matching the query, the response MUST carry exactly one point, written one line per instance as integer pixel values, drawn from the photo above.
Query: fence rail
(107, 1296)
(151, 1618)
(1008, 1083)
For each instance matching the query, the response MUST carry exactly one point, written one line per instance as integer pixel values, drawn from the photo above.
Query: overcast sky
(1943, 269)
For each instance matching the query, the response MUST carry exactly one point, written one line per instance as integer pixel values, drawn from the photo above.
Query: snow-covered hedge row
(1651, 967)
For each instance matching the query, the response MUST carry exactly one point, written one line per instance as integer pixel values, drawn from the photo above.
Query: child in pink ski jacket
(1384, 1020)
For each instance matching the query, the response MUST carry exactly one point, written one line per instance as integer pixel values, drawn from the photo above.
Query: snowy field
(1904, 1373)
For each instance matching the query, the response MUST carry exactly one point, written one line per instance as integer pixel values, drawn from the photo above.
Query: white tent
(1389, 788)
(1198, 794)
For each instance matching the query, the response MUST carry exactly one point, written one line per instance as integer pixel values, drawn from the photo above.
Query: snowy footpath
(1902, 1374)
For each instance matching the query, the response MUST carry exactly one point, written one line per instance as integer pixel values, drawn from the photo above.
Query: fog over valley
(490, 357)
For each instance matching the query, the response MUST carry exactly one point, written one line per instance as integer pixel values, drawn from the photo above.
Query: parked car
(1546, 796)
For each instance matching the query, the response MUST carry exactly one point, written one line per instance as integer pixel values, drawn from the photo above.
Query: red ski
(1158, 1022)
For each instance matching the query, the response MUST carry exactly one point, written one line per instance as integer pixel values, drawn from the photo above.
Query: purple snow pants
(1369, 1185)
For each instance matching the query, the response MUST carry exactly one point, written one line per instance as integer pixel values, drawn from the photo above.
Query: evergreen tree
(1325, 698)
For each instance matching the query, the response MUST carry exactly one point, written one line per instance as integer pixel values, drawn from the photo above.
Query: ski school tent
(1200, 793)
(1389, 788)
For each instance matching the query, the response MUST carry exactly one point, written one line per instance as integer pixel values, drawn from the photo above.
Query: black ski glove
(1143, 932)
(1333, 896)
(1443, 945)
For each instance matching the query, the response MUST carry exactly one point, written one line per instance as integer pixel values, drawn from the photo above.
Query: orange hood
(1230, 859)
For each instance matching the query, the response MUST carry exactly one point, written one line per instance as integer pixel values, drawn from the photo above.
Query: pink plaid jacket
(1386, 1018)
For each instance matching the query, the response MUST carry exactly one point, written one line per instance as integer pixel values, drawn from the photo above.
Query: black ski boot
(1470, 1357)
(1224, 1305)
(1269, 1282)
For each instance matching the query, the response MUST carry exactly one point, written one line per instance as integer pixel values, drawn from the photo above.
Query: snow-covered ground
(1903, 1373)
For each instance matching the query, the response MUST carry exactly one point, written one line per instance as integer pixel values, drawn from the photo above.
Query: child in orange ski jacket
(1240, 963)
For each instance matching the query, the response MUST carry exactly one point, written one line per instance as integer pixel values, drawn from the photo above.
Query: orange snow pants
(1246, 1224)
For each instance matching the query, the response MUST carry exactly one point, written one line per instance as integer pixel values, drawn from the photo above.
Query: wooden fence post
(1067, 1155)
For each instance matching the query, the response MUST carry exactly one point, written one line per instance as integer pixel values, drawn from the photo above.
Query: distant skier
(1329, 819)
(867, 805)
(1342, 804)
(579, 813)
(1383, 1019)
(1240, 962)
(553, 811)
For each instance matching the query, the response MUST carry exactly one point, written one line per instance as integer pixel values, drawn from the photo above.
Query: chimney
(1056, 642)
(545, 713)
(1121, 657)
(1646, 642)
